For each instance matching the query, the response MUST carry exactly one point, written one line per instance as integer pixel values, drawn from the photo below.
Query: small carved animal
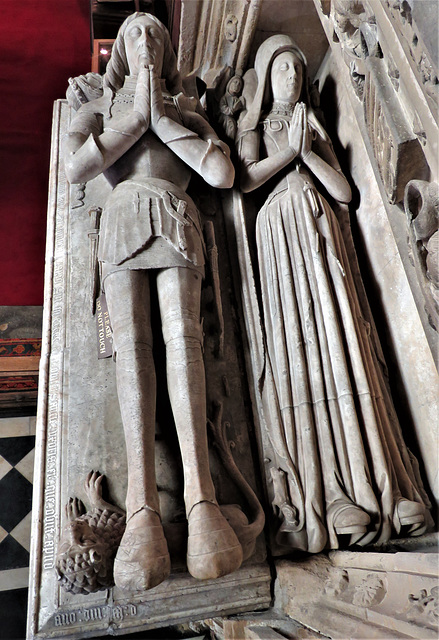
(89, 541)
(246, 531)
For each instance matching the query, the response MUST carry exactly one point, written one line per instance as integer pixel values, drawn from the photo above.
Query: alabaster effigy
(338, 469)
(146, 502)
(204, 303)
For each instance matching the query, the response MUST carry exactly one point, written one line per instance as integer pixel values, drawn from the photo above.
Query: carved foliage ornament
(370, 592)
(424, 605)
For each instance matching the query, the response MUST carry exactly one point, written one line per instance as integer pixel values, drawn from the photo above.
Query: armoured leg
(128, 304)
(179, 293)
(213, 548)
(142, 560)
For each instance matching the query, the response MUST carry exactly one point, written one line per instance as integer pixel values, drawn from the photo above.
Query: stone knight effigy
(213, 295)
(145, 136)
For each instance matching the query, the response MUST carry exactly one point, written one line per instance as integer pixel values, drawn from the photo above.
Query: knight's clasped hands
(148, 99)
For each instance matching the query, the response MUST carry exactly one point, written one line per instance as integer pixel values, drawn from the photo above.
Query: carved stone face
(79, 534)
(144, 44)
(235, 85)
(286, 77)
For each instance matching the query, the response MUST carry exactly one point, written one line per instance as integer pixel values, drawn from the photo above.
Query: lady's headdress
(265, 55)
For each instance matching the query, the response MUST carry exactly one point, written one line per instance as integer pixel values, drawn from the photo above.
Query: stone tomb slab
(79, 429)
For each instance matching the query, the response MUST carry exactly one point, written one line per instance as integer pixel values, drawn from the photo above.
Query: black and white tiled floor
(17, 442)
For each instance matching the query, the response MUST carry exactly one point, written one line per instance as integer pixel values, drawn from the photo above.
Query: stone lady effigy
(340, 466)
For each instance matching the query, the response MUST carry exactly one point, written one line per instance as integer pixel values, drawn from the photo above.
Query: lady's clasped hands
(299, 131)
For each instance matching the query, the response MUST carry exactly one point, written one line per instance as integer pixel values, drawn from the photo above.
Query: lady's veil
(260, 103)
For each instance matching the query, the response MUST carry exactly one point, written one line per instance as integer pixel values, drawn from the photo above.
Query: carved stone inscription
(105, 613)
(54, 401)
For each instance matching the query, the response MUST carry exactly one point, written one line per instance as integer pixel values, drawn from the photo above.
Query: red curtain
(42, 43)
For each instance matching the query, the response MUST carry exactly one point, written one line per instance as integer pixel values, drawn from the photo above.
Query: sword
(95, 216)
(212, 254)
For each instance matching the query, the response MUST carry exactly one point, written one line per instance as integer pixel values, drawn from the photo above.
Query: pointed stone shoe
(409, 513)
(142, 560)
(213, 550)
(348, 518)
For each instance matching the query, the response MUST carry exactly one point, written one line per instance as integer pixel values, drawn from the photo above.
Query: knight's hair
(117, 67)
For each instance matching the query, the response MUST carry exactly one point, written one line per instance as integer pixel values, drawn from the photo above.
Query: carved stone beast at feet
(89, 541)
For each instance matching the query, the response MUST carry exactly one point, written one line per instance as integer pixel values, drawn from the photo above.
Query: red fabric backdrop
(42, 43)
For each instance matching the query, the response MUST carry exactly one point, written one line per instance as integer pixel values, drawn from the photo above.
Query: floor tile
(13, 605)
(21, 533)
(14, 427)
(14, 579)
(5, 467)
(3, 534)
(32, 425)
(12, 554)
(26, 465)
(14, 449)
(15, 499)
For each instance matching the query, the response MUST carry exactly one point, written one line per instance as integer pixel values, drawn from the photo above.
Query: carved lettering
(65, 619)
(123, 611)
(50, 526)
(113, 614)
(93, 614)
(50, 500)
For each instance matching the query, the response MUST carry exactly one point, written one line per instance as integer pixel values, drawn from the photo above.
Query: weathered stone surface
(215, 36)
(297, 19)
(392, 282)
(322, 398)
(416, 24)
(421, 203)
(93, 430)
(362, 595)
(397, 150)
(80, 429)
(144, 135)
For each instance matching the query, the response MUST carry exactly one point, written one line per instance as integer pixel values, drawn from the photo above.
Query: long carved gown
(331, 421)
